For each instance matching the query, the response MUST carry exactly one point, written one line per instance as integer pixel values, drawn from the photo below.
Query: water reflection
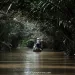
(27, 62)
(31, 58)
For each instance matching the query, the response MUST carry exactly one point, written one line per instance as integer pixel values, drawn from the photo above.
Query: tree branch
(9, 7)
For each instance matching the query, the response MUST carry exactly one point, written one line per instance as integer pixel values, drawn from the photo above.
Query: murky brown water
(26, 62)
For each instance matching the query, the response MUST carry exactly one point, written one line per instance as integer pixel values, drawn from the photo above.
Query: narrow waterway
(26, 62)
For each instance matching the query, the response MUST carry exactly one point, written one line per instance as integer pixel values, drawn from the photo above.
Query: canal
(26, 62)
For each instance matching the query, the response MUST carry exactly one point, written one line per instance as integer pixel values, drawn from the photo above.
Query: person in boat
(37, 45)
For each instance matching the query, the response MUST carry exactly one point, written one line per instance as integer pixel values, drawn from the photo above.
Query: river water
(24, 61)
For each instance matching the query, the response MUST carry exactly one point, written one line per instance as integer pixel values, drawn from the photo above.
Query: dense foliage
(11, 32)
(56, 18)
